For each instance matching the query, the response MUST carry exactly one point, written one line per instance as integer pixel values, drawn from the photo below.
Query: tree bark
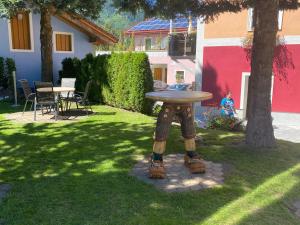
(46, 44)
(260, 131)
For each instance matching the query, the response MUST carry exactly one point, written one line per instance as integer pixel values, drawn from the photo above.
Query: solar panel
(157, 24)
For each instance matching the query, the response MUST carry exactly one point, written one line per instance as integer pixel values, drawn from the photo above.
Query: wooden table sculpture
(176, 103)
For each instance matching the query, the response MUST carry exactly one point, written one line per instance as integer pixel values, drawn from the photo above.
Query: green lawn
(77, 173)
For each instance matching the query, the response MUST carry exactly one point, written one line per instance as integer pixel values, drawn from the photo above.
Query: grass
(77, 173)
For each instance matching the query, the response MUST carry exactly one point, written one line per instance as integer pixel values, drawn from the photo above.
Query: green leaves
(119, 80)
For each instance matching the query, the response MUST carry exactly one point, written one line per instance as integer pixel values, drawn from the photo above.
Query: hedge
(120, 79)
(7, 66)
(2, 76)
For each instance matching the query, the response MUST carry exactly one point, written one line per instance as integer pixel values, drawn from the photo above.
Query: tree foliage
(208, 9)
(115, 21)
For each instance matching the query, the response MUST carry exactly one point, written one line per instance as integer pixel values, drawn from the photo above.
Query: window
(182, 44)
(63, 42)
(280, 19)
(20, 32)
(164, 43)
(148, 44)
(179, 77)
(251, 22)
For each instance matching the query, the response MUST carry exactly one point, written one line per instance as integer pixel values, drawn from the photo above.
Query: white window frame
(246, 75)
(180, 71)
(250, 24)
(280, 19)
(31, 36)
(250, 19)
(54, 42)
(145, 43)
(164, 41)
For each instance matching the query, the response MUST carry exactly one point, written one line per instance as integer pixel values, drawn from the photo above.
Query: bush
(2, 76)
(119, 80)
(69, 68)
(93, 68)
(10, 68)
(129, 78)
(7, 66)
(225, 123)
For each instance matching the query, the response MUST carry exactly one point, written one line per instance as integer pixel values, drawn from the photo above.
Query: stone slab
(27, 117)
(178, 177)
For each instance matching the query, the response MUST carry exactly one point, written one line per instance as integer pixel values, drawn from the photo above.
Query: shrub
(119, 80)
(7, 66)
(70, 68)
(10, 68)
(129, 77)
(225, 123)
(2, 76)
(95, 69)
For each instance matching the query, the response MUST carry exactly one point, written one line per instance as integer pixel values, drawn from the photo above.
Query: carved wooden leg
(191, 159)
(164, 121)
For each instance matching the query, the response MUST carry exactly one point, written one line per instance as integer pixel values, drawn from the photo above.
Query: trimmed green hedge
(120, 79)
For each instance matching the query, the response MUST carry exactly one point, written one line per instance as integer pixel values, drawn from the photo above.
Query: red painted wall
(223, 68)
(222, 71)
(286, 94)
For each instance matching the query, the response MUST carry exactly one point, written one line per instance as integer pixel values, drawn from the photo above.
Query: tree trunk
(260, 131)
(46, 44)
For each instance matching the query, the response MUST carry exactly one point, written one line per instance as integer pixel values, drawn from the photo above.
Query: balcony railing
(182, 44)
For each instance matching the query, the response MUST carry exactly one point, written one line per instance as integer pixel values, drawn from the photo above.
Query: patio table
(56, 91)
(176, 103)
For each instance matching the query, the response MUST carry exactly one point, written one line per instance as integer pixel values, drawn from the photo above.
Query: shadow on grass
(78, 174)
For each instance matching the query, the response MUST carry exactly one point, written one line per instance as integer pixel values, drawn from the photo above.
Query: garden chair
(29, 95)
(67, 82)
(46, 99)
(82, 98)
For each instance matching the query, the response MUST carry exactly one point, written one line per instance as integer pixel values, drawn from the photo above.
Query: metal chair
(67, 82)
(29, 95)
(82, 98)
(45, 99)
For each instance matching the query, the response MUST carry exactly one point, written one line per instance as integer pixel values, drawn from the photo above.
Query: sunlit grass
(77, 173)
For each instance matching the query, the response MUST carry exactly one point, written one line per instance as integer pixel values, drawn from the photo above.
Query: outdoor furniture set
(48, 97)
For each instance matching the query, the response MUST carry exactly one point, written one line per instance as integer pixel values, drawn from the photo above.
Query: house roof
(97, 34)
(159, 25)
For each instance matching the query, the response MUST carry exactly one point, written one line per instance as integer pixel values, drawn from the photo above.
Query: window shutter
(63, 42)
(20, 31)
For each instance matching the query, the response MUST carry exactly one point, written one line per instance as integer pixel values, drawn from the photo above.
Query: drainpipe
(199, 61)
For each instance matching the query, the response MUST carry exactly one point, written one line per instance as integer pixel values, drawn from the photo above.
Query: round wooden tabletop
(179, 96)
(56, 89)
